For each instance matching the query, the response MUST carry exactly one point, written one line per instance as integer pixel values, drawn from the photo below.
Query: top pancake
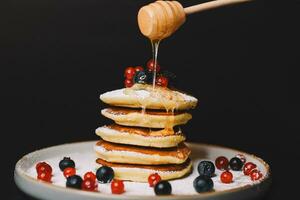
(143, 96)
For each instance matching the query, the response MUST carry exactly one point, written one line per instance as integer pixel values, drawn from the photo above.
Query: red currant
(241, 157)
(153, 179)
(90, 175)
(128, 82)
(89, 185)
(138, 69)
(222, 163)
(43, 167)
(117, 187)
(44, 176)
(226, 177)
(255, 175)
(129, 72)
(162, 81)
(248, 167)
(150, 66)
(69, 171)
(39, 164)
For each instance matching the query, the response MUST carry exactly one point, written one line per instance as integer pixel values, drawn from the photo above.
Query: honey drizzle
(154, 45)
(167, 98)
(168, 129)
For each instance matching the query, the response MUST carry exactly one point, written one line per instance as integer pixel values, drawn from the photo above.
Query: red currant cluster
(222, 163)
(44, 171)
(88, 183)
(129, 75)
(251, 170)
(236, 163)
(139, 75)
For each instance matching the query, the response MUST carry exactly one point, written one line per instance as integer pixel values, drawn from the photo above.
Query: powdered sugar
(142, 94)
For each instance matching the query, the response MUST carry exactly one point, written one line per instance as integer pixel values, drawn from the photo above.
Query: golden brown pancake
(120, 153)
(150, 119)
(143, 96)
(160, 138)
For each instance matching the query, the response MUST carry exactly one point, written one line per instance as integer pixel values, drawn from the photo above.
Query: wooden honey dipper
(160, 19)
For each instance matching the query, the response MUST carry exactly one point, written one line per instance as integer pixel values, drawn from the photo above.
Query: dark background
(58, 56)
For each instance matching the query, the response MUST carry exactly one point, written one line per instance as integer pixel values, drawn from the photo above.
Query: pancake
(160, 138)
(120, 153)
(150, 119)
(143, 96)
(140, 173)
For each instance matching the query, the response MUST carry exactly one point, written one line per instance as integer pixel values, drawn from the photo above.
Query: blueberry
(105, 174)
(74, 182)
(66, 162)
(163, 188)
(203, 184)
(141, 77)
(236, 164)
(206, 168)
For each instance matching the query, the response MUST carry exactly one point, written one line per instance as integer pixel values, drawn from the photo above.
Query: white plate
(182, 189)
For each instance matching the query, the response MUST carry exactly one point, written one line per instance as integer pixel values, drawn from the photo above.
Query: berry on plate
(226, 177)
(150, 66)
(255, 175)
(153, 179)
(203, 184)
(248, 167)
(66, 162)
(90, 175)
(222, 163)
(129, 72)
(117, 187)
(236, 164)
(44, 176)
(74, 181)
(69, 171)
(163, 188)
(89, 185)
(43, 167)
(206, 168)
(105, 174)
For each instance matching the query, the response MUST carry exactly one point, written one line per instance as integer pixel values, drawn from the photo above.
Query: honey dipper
(160, 19)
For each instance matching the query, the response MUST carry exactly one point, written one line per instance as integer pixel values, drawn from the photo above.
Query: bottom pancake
(140, 173)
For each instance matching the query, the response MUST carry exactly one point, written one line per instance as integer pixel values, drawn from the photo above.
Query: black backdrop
(58, 56)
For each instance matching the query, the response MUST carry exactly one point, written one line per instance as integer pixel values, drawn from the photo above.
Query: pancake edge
(130, 157)
(121, 137)
(119, 98)
(147, 120)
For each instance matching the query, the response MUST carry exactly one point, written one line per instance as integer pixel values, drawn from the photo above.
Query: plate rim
(21, 174)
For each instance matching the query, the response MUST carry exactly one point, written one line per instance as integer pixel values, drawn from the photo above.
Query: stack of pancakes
(145, 137)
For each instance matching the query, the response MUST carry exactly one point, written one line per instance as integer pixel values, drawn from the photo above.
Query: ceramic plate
(82, 153)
